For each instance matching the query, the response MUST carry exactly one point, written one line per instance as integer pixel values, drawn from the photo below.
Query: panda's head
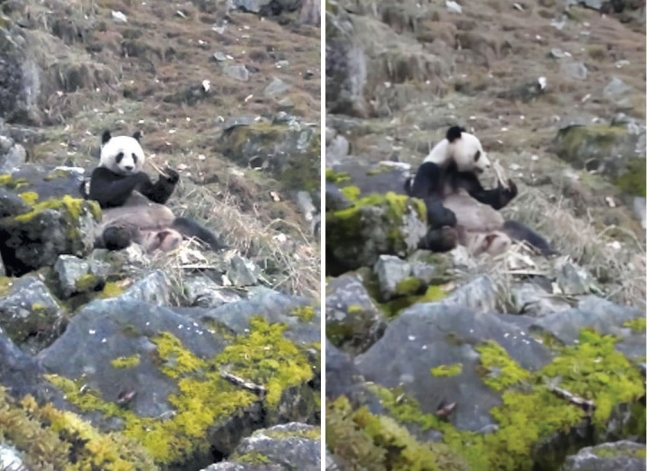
(122, 154)
(466, 151)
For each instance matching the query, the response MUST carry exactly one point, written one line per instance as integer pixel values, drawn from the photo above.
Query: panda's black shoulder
(104, 174)
(454, 133)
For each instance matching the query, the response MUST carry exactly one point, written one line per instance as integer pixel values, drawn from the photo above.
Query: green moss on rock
(11, 183)
(591, 369)
(444, 371)
(52, 439)
(336, 177)
(408, 286)
(203, 398)
(126, 362)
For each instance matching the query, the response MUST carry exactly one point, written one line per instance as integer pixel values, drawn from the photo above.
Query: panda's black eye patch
(134, 158)
(477, 156)
(120, 156)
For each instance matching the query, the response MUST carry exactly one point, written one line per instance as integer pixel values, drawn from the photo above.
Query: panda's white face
(123, 155)
(468, 154)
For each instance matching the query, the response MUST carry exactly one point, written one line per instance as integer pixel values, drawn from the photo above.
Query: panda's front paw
(172, 176)
(507, 194)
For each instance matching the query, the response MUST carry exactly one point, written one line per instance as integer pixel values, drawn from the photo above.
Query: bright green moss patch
(374, 442)
(336, 177)
(85, 283)
(11, 183)
(126, 362)
(408, 286)
(110, 290)
(60, 440)
(351, 192)
(304, 313)
(447, 370)
(595, 370)
(204, 398)
(73, 206)
(29, 197)
(5, 285)
(433, 294)
(637, 325)
(501, 370)
(266, 357)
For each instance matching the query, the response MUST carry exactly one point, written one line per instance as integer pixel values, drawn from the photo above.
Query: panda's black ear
(137, 135)
(454, 133)
(105, 137)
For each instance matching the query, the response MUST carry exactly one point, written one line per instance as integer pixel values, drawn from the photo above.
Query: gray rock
(107, 329)
(304, 200)
(287, 445)
(335, 199)
(531, 299)
(243, 272)
(593, 4)
(616, 87)
(478, 294)
(11, 204)
(20, 374)
(203, 292)
(604, 316)
(28, 310)
(275, 87)
(353, 321)
(640, 209)
(390, 272)
(575, 280)
(336, 150)
(618, 456)
(237, 72)
(253, 6)
(220, 56)
(418, 340)
(76, 275)
(273, 307)
(154, 287)
(574, 70)
(12, 155)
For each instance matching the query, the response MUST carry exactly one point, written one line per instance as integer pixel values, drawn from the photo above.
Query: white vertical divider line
(322, 233)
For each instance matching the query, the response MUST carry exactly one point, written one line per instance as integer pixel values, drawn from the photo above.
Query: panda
(133, 207)
(459, 209)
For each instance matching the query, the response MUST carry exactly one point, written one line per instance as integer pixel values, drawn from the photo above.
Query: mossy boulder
(286, 446)
(604, 148)
(354, 321)
(53, 227)
(174, 384)
(496, 394)
(378, 224)
(290, 152)
(29, 314)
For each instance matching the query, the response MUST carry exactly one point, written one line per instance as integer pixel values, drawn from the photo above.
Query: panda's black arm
(427, 182)
(497, 198)
(161, 191)
(112, 190)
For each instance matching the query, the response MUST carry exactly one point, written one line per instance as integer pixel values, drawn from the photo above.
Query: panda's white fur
(463, 152)
(123, 155)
